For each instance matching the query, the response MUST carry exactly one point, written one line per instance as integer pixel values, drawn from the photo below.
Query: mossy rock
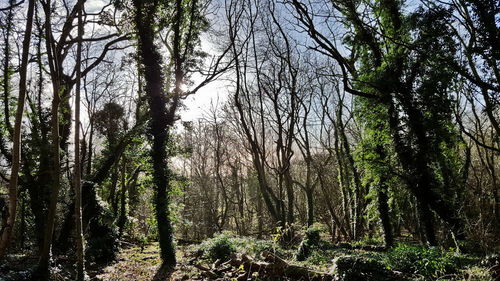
(351, 268)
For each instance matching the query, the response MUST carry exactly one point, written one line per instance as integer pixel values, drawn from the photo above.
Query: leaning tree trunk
(6, 235)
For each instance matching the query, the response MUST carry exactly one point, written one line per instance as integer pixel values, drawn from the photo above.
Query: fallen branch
(149, 258)
(206, 271)
(275, 266)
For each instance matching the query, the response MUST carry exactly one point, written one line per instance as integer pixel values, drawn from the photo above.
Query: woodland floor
(136, 263)
(141, 264)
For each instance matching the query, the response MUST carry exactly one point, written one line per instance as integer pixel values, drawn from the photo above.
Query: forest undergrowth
(231, 257)
(212, 259)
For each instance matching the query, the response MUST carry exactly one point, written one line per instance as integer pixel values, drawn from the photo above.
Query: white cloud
(93, 6)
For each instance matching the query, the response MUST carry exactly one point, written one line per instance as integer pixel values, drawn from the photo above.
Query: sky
(198, 104)
(94, 5)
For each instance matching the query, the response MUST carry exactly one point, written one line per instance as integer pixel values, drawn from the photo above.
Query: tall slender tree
(145, 12)
(80, 270)
(7, 67)
(186, 25)
(55, 170)
(6, 235)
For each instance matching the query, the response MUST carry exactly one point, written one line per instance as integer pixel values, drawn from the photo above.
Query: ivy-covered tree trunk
(112, 193)
(122, 219)
(151, 59)
(383, 209)
(7, 71)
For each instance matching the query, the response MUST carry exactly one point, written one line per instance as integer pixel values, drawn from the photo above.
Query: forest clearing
(249, 140)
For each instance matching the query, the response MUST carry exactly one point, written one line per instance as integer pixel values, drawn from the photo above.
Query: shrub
(223, 245)
(313, 234)
(369, 241)
(102, 248)
(429, 262)
(220, 247)
(257, 247)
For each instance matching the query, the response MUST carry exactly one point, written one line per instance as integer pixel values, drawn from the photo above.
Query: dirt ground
(134, 263)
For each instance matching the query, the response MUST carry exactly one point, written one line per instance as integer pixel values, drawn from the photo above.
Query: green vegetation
(350, 268)
(223, 245)
(220, 247)
(310, 242)
(356, 261)
(429, 262)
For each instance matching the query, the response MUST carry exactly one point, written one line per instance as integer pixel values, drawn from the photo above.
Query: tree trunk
(290, 197)
(426, 220)
(6, 68)
(55, 172)
(38, 185)
(123, 215)
(260, 221)
(6, 235)
(90, 147)
(154, 89)
(358, 187)
(420, 187)
(112, 193)
(80, 269)
(23, 221)
(383, 209)
(310, 206)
